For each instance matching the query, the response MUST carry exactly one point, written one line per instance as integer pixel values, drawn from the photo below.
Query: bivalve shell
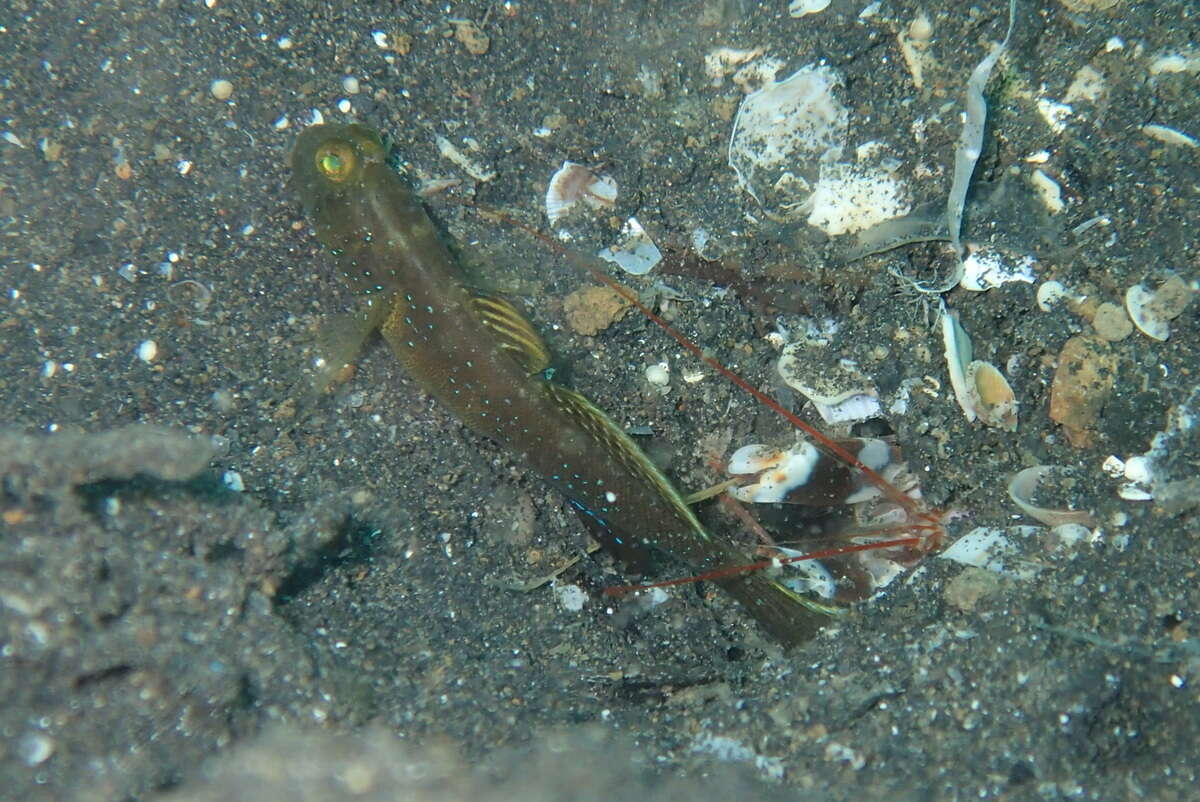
(990, 396)
(573, 183)
(1028, 488)
(1152, 312)
(838, 389)
(957, 343)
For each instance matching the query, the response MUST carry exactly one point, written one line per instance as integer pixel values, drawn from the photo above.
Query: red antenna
(927, 522)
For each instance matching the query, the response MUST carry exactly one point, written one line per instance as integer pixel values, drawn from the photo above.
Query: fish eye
(336, 161)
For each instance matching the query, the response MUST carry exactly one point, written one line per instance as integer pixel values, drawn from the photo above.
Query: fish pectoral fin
(339, 341)
(514, 334)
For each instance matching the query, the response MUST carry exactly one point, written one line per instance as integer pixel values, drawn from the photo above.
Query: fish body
(480, 358)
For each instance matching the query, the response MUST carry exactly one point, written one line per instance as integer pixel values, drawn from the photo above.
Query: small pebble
(221, 89)
(1083, 381)
(591, 310)
(472, 36)
(223, 401)
(35, 748)
(147, 351)
(571, 597)
(233, 480)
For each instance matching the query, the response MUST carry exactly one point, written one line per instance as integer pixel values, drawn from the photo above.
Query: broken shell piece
(804, 475)
(757, 74)
(472, 167)
(1087, 85)
(849, 198)
(1152, 312)
(781, 135)
(985, 268)
(1176, 62)
(1139, 473)
(838, 389)
(1048, 190)
(914, 46)
(1111, 323)
(995, 549)
(573, 183)
(723, 60)
(1072, 535)
(991, 397)
(1031, 488)
(802, 8)
(634, 252)
(1114, 466)
(1171, 136)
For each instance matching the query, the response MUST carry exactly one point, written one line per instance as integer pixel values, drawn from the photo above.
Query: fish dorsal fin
(620, 445)
(514, 335)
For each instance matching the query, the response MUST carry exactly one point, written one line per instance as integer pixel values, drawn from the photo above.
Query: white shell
(1132, 492)
(985, 268)
(1049, 191)
(1138, 299)
(813, 577)
(753, 458)
(1171, 136)
(801, 8)
(850, 410)
(848, 198)
(659, 374)
(958, 355)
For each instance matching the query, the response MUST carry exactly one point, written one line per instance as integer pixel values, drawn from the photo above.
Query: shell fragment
(634, 252)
